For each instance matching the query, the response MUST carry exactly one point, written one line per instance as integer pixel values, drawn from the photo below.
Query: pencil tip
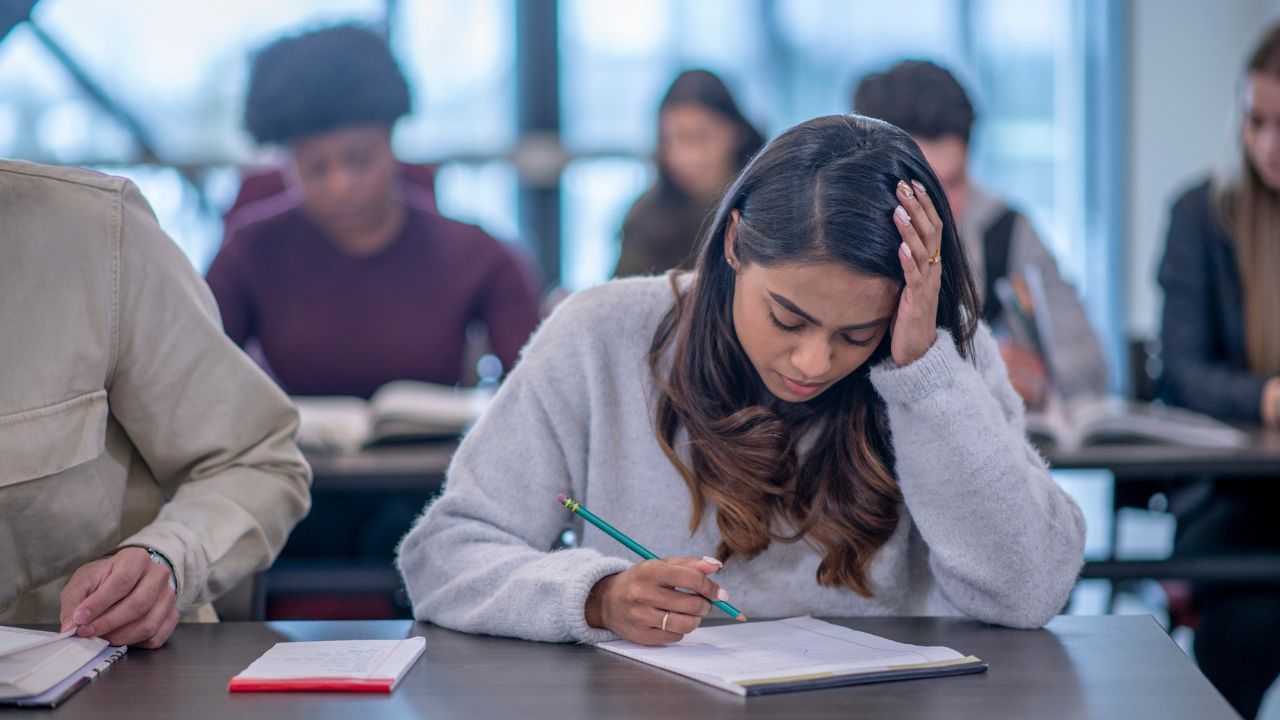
(741, 618)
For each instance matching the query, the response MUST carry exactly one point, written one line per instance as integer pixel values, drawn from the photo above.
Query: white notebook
(43, 668)
(333, 665)
(799, 653)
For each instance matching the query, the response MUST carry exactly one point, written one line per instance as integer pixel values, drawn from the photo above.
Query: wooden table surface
(1080, 667)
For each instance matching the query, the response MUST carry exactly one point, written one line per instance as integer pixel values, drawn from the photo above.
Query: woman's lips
(800, 389)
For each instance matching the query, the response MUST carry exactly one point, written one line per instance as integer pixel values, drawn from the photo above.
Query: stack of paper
(338, 665)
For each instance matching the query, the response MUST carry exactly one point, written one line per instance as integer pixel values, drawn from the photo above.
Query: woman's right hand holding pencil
(638, 603)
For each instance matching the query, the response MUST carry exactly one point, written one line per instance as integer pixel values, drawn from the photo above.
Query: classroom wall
(1186, 57)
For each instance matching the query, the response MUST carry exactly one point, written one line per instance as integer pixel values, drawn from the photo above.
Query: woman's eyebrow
(792, 307)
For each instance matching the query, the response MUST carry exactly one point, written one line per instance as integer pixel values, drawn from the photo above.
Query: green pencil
(637, 548)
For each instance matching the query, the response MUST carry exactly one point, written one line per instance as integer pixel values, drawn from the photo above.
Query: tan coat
(126, 416)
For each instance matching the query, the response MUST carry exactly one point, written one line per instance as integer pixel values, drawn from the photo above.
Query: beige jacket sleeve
(216, 433)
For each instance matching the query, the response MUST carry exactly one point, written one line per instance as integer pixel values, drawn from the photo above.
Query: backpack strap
(996, 242)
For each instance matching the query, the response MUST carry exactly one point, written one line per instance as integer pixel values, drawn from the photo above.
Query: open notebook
(400, 411)
(42, 669)
(799, 653)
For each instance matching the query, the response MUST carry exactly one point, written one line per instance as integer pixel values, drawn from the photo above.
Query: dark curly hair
(918, 96)
(322, 80)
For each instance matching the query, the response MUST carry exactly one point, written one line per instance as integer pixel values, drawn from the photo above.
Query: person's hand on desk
(641, 601)
(1027, 373)
(124, 598)
(1271, 402)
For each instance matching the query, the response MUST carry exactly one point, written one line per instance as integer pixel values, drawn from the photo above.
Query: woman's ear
(731, 232)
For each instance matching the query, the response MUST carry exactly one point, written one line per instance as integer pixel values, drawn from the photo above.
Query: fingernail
(905, 189)
(86, 631)
(906, 250)
(722, 594)
(713, 561)
(66, 626)
(81, 617)
(919, 188)
(901, 214)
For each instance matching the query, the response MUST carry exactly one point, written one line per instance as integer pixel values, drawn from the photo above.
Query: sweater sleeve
(1005, 542)
(479, 559)
(229, 282)
(509, 307)
(1195, 375)
(216, 433)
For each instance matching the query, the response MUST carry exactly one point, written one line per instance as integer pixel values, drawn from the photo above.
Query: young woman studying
(813, 416)
(1221, 351)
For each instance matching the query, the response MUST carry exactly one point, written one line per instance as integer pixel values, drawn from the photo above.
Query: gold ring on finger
(935, 258)
(666, 616)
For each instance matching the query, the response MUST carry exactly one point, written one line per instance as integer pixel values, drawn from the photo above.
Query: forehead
(1262, 94)
(832, 293)
(339, 140)
(686, 115)
(946, 155)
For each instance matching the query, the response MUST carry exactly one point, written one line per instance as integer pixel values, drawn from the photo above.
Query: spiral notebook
(800, 653)
(43, 669)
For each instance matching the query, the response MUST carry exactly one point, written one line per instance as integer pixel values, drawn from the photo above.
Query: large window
(795, 59)
(158, 96)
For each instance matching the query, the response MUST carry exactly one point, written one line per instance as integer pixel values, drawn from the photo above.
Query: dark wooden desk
(1096, 667)
(382, 469)
(1260, 458)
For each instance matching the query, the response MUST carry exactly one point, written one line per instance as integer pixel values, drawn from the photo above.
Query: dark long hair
(706, 90)
(822, 191)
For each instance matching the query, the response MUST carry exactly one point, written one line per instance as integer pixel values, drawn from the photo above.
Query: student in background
(814, 415)
(927, 101)
(703, 141)
(146, 465)
(1220, 343)
(346, 282)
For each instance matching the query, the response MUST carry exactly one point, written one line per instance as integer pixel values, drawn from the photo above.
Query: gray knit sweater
(984, 530)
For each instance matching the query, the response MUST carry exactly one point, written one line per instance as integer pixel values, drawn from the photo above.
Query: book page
(338, 659)
(433, 408)
(14, 640)
(332, 423)
(802, 646)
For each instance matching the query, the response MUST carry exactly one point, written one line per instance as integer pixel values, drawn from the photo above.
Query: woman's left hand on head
(915, 325)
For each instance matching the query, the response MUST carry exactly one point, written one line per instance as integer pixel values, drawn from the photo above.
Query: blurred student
(347, 282)
(928, 102)
(1220, 342)
(146, 465)
(815, 416)
(703, 141)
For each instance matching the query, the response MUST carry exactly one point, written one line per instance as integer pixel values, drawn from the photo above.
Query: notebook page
(15, 640)
(726, 655)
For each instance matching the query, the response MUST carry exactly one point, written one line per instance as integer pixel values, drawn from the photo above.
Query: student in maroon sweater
(348, 281)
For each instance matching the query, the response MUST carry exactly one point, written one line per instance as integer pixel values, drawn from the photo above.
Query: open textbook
(1078, 422)
(1075, 422)
(800, 653)
(400, 411)
(41, 669)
